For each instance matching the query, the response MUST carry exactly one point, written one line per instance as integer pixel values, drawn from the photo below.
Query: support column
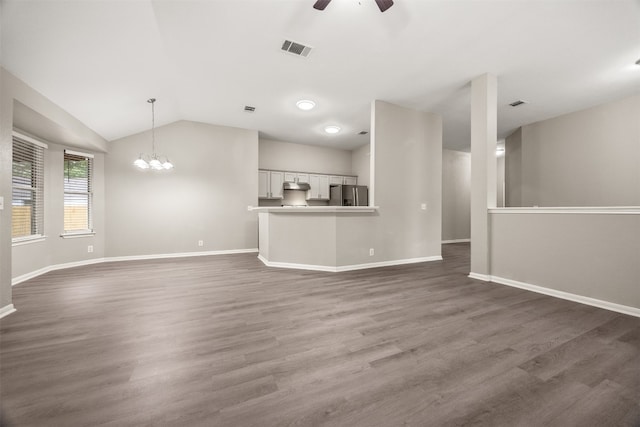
(483, 170)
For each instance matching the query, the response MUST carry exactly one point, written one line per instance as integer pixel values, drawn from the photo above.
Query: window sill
(78, 234)
(19, 241)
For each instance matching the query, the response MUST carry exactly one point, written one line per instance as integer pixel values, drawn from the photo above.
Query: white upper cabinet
(270, 184)
(277, 179)
(350, 180)
(296, 177)
(263, 184)
(336, 180)
(319, 187)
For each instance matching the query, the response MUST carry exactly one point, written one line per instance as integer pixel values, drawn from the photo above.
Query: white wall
(513, 169)
(500, 189)
(20, 104)
(361, 164)
(55, 250)
(204, 198)
(288, 156)
(407, 150)
(593, 255)
(456, 195)
(6, 159)
(586, 158)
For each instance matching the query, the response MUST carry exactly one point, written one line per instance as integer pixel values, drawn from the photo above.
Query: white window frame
(80, 232)
(37, 176)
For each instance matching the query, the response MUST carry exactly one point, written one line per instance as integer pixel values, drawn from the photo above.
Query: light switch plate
(1, 203)
(423, 206)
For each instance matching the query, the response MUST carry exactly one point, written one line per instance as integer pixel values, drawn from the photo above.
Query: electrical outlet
(371, 251)
(90, 248)
(200, 242)
(1, 203)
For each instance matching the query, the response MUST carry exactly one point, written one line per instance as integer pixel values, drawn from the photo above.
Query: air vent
(297, 49)
(518, 102)
(249, 108)
(363, 132)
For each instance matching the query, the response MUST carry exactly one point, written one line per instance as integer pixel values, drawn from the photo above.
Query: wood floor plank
(226, 341)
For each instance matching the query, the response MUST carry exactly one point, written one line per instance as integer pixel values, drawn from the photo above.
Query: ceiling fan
(382, 4)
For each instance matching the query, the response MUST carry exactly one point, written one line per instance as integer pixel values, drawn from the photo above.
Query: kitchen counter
(325, 238)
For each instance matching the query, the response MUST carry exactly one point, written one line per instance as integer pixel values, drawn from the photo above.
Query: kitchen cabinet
(263, 184)
(350, 180)
(336, 180)
(319, 187)
(270, 184)
(342, 180)
(296, 177)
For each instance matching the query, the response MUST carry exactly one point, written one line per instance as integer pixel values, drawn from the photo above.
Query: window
(27, 188)
(78, 192)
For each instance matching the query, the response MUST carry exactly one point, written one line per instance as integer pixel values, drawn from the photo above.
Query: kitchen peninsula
(315, 237)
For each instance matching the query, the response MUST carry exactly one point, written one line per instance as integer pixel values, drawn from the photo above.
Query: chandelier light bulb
(141, 163)
(155, 163)
(167, 165)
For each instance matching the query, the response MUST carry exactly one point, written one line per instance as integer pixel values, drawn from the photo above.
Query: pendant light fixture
(153, 161)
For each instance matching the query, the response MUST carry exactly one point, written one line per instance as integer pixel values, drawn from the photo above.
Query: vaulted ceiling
(205, 60)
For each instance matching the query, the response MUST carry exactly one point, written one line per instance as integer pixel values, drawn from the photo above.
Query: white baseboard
(36, 273)
(341, 268)
(7, 310)
(179, 255)
(478, 276)
(444, 242)
(624, 309)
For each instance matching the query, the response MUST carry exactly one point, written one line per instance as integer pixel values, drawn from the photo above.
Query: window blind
(27, 206)
(78, 192)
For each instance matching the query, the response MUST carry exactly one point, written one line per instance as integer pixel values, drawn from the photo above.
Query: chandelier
(153, 161)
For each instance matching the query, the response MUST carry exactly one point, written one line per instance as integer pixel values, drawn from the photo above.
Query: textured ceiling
(205, 60)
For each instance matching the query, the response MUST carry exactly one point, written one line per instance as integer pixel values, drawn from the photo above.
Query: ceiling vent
(249, 108)
(363, 132)
(518, 103)
(297, 49)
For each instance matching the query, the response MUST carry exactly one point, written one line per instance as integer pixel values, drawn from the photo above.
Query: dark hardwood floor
(225, 341)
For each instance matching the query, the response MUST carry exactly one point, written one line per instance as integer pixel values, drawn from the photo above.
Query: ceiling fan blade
(382, 4)
(321, 4)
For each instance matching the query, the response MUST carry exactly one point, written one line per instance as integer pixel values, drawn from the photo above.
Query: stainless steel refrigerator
(349, 195)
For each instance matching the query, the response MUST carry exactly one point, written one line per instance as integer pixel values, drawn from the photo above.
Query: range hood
(296, 186)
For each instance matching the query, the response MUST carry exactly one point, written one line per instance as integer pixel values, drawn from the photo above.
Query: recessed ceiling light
(332, 129)
(305, 104)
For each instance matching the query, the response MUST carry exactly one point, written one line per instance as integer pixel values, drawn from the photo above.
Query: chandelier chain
(152, 101)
